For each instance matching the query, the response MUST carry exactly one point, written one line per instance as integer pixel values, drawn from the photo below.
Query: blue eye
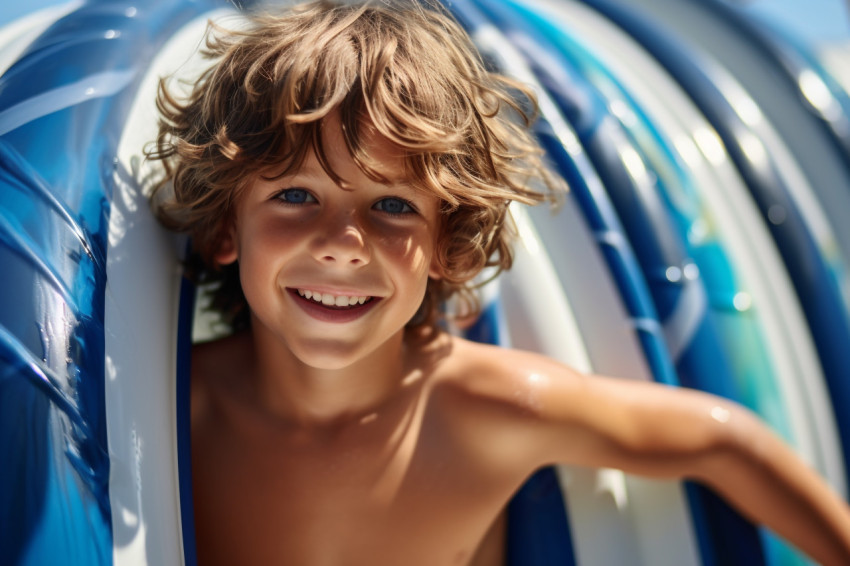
(295, 196)
(392, 205)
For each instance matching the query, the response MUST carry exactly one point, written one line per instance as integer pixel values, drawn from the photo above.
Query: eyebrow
(274, 173)
(312, 169)
(316, 171)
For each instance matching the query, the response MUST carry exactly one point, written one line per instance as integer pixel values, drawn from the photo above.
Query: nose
(341, 242)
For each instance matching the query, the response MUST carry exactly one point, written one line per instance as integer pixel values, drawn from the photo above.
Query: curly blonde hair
(406, 69)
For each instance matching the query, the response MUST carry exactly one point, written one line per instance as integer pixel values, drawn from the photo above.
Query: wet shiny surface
(62, 106)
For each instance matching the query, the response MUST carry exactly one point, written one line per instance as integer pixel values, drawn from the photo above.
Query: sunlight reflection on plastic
(673, 274)
(753, 148)
(818, 94)
(691, 271)
(742, 301)
(710, 145)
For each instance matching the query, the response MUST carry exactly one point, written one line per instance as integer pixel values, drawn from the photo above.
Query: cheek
(269, 238)
(262, 248)
(254, 275)
(409, 253)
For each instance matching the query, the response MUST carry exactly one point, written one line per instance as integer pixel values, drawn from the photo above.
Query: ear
(228, 251)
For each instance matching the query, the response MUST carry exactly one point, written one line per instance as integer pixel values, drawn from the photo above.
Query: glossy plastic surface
(63, 103)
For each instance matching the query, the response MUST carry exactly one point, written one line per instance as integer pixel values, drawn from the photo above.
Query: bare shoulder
(547, 412)
(492, 375)
(496, 401)
(549, 389)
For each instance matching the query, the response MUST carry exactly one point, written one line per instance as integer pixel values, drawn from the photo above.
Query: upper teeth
(332, 300)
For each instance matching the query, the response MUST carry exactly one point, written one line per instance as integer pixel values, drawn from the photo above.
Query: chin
(328, 357)
(328, 363)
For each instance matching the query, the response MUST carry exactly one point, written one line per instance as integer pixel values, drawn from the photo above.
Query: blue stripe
(538, 527)
(817, 289)
(792, 58)
(538, 532)
(63, 105)
(184, 421)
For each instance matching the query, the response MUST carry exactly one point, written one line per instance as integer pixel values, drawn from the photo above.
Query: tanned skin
(321, 438)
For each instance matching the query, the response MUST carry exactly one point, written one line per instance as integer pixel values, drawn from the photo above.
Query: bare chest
(406, 495)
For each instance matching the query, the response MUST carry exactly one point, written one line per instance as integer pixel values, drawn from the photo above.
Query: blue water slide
(809, 266)
(793, 95)
(722, 212)
(62, 106)
(573, 164)
(659, 247)
(679, 196)
(738, 332)
(538, 526)
(796, 63)
(631, 185)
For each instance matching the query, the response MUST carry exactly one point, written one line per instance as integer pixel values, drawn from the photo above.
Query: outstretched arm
(769, 484)
(659, 431)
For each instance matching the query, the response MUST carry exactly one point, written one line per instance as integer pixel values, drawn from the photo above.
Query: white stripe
(17, 36)
(141, 332)
(98, 85)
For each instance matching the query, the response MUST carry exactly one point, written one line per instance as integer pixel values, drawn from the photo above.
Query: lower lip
(329, 314)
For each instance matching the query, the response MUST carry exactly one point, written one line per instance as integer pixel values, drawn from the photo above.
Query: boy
(344, 170)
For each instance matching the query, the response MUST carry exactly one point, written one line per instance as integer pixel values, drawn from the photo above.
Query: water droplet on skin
(720, 414)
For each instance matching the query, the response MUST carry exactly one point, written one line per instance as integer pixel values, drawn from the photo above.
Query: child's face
(334, 271)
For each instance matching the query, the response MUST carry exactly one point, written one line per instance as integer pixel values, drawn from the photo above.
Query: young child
(343, 170)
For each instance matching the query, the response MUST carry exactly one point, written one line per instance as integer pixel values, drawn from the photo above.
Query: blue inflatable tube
(571, 161)
(819, 92)
(725, 537)
(816, 274)
(63, 106)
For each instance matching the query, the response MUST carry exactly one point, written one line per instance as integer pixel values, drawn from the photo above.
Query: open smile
(329, 300)
(328, 307)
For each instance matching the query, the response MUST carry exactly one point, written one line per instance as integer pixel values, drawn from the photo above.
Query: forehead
(349, 157)
(367, 148)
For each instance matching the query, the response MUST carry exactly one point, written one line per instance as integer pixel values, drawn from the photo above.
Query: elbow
(735, 439)
(701, 444)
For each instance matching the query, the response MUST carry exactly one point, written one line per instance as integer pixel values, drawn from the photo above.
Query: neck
(307, 396)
